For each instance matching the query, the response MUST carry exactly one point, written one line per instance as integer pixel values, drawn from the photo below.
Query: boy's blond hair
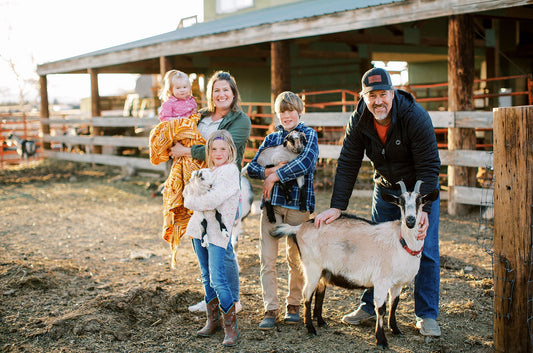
(225, 136)
(288, 101)
(171, 79)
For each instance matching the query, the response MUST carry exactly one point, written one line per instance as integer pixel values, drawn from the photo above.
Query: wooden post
(460, 98)
(95, 107)
(513, 228)
(280, 71)
(45, 112)
(164, 65)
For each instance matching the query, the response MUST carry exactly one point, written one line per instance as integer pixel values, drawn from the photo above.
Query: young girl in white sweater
(213, 194)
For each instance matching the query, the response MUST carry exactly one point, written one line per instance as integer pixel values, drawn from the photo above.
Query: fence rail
(441, 120)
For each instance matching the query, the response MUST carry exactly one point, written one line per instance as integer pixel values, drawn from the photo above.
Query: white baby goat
(292, 146)
(355, 253)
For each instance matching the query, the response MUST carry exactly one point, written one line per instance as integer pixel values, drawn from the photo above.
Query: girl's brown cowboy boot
(213, 323)
(231, 329)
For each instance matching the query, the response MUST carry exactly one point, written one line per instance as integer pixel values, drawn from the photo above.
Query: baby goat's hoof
(396, 332)
(383, 346)
(311, 330)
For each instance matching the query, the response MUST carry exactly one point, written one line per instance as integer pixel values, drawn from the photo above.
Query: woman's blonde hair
(219, 76)
(171, 79)
(225, 136)
(288, 101)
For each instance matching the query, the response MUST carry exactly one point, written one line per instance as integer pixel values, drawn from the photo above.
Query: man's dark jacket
(409, 154)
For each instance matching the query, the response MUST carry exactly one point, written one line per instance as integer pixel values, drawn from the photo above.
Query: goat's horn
(402, 186)
(417, 186)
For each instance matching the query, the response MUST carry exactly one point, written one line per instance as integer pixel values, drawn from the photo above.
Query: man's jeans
(427, 281)
(214, 277)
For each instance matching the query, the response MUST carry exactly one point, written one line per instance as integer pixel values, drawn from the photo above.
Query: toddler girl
(179, 120)
(177, 98)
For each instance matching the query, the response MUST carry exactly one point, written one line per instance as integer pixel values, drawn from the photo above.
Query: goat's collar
(412, 252)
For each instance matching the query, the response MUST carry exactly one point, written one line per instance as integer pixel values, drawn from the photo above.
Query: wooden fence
(464, 158)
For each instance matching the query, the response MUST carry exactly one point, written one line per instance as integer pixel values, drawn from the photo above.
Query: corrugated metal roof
(288, 12)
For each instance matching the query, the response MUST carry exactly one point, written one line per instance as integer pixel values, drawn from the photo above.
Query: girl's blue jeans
(232, 271)
(427, 281)
(214, 276)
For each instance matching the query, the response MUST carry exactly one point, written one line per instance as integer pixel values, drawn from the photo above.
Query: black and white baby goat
(200, 183)
(25, 148)
(292, 146)
(355, 253)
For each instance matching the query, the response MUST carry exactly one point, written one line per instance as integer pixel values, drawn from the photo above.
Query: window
(229, 6)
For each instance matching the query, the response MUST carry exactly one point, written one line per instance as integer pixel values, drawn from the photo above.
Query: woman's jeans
(427, 280)
(212, 266)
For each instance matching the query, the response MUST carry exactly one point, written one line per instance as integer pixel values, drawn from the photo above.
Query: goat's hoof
(322, 323)
(396, 332)
(382, 345)
(311, 331)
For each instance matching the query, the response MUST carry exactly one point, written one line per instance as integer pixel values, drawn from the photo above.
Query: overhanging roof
(294, 20)
(276, 14)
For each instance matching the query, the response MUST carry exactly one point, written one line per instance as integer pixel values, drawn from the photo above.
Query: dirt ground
(83, 269)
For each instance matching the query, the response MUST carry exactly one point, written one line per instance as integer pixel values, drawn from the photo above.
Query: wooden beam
(280, 70)
(45, 112)
(460, 92)
(95, 106)
(368, 17)
(513, 228)
(164, 65)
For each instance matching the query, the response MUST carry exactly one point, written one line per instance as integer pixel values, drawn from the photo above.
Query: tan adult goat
(355, 253)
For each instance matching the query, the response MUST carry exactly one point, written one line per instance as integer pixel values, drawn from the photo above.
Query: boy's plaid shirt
(304, 164)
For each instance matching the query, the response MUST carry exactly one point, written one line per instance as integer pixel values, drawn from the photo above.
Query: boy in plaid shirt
(288, 107)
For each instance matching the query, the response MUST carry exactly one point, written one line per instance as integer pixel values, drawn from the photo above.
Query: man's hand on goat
(327, 216)
(178, 150)
(423, 226)
(268, 184)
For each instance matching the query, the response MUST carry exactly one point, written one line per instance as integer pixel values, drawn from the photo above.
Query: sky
(34, 32)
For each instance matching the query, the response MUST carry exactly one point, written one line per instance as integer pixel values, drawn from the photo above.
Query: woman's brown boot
(212, 324)
(230, 328)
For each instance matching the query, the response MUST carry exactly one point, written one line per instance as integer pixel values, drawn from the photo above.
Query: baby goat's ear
(390, 198)
(432, 196)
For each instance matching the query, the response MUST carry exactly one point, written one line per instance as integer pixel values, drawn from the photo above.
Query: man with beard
(397, 135)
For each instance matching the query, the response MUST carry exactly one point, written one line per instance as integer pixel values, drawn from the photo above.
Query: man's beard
(381, 116)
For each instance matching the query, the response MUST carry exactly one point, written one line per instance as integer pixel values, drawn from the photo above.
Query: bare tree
(24, 84)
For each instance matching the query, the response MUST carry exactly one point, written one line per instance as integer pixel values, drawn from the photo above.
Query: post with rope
(513, 229)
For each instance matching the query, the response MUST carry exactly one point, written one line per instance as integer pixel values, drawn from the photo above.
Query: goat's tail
(285, 230)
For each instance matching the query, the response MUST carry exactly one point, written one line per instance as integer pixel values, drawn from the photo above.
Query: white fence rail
(465, 158)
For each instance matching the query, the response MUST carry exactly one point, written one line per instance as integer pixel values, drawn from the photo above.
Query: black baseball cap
(376, 79)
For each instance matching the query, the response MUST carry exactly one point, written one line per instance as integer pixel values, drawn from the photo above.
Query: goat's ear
(389, 198)
(432, 196)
